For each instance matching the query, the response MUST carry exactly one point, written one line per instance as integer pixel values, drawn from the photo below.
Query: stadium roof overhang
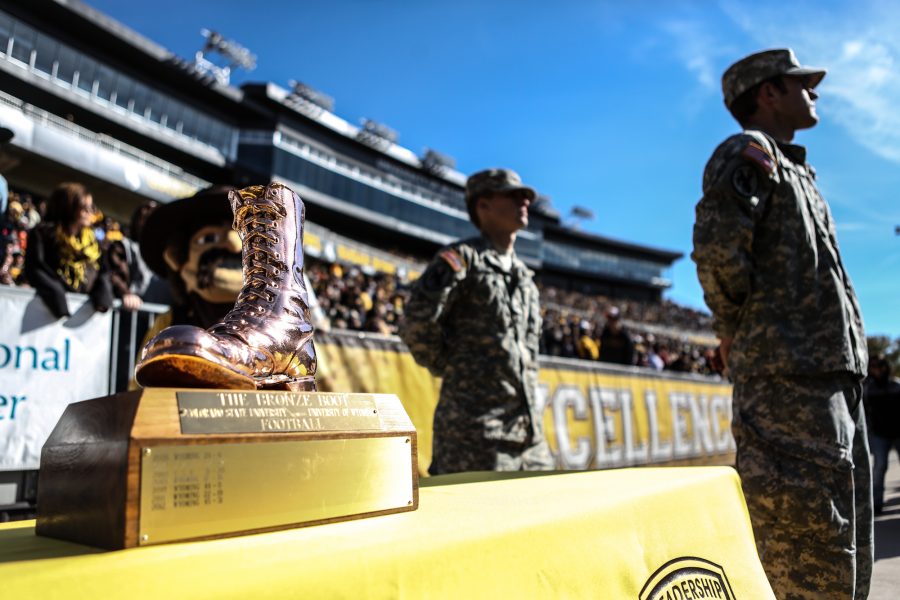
(78, 22)
(594, 241)
(656, 284)
(283, 102)
(363, 220)
(54, 149)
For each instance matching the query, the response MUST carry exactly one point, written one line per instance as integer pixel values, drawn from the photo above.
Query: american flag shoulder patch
(759, 155)
(453, 259)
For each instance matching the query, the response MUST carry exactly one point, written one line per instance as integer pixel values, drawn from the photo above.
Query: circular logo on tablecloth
(688, 578)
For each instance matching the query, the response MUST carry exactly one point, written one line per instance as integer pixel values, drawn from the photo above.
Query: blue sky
(613, 106)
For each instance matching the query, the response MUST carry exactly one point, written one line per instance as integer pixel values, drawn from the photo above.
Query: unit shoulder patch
(759, 156)
(745, 180)
(452, 258)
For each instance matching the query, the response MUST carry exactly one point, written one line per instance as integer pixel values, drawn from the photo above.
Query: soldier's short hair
(744, 106)
(471, 207)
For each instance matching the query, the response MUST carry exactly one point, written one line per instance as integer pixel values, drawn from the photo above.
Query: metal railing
(44, 117)
(128, 331)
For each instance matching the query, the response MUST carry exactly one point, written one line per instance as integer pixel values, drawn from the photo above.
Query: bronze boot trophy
(265, 341)
(165, 464)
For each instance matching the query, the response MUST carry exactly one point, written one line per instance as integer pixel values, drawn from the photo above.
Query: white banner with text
(45, 364)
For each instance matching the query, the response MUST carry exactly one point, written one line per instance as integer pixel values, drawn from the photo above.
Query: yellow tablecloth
(596, 534)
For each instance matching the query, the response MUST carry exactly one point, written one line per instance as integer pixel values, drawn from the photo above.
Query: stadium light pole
(308, 97)
(235, 55)
(579, 214)
(437, 162)
(377, 135)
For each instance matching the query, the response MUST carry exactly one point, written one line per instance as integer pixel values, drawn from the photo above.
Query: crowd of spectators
(357, 300)
(74, 247)
(63, 243)
(574, 325)
(570, 333)
(665, 312)
(20, 217)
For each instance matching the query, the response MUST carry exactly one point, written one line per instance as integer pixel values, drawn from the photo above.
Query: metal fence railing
(49, 119)
(128, 331)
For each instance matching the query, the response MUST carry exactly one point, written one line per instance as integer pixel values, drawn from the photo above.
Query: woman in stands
(64, 255)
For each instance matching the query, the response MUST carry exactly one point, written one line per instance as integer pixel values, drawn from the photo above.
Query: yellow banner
(312, 242)
(595, 416)
(629, 534)
(602, 417)
(363, 259)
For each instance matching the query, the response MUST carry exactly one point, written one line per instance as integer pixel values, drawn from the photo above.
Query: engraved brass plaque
(231, 411)
(192, 491)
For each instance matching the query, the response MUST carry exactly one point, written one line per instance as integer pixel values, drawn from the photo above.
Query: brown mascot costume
(190, 244)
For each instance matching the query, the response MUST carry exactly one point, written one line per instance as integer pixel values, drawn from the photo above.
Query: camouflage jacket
(477, 326)
(768, 260)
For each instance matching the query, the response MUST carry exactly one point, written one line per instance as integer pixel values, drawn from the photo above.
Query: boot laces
(259, 219)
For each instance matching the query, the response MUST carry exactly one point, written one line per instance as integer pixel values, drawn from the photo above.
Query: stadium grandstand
(91, 100)
(87, 99)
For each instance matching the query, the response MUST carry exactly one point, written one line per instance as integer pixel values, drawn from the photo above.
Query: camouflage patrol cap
(492, 181)
(756, 68)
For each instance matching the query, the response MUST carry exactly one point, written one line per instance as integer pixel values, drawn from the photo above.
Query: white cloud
(866, 87)
(699, 52)
(852, 49)
(694, 48)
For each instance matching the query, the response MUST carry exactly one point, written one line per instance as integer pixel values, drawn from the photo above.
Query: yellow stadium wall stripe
(595, 417)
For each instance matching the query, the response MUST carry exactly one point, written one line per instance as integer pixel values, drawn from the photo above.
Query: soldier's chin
(810, 120)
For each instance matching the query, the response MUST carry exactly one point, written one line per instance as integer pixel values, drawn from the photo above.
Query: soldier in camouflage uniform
(791, 334)
(474, 320)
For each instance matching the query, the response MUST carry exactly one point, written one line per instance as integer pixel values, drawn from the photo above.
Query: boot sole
(304, 384)
(177, 370)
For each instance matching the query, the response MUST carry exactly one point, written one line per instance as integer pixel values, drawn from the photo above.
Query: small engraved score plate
(232, 411)
(212, 489)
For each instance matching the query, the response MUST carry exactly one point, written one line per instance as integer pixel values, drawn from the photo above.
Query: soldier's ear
(483, 203)
(768, 94)
(172, 257)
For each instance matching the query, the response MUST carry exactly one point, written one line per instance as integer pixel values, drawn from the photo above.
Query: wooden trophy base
(163, 465)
